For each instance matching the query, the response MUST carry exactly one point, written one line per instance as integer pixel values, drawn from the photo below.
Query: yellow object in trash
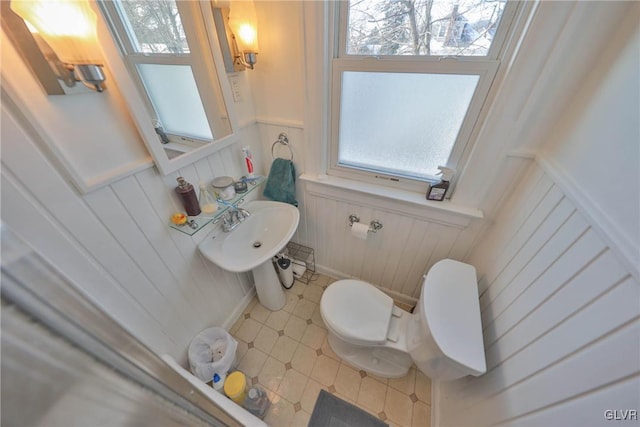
(235, 387)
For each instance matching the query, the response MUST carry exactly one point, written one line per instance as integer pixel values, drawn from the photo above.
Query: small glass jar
(223, 186)
(240, 187)
(208, 204)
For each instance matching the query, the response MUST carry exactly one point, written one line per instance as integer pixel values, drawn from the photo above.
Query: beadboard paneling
(413, 238)
(269, 131)
(394, 258)
(561, 319)
(150, 277)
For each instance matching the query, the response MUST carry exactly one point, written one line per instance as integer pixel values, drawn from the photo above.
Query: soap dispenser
(189, 198)
(438, 191)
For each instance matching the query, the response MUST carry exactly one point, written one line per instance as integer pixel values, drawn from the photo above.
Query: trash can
(285, 271)
(211, 352)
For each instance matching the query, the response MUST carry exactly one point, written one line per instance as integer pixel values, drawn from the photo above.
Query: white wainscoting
(560, 315)
(412, 239)
(115, 243)
(269, 130)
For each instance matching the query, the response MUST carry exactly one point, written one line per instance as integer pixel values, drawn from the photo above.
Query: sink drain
(257, 244)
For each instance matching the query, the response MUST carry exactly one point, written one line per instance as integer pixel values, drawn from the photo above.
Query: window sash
(495, 51)
(485, 69)
(201, 66)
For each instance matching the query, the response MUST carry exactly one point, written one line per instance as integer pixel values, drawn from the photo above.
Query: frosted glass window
(402, 124)
(174, 94)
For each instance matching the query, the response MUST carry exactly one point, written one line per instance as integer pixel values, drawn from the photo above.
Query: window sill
(394, 195)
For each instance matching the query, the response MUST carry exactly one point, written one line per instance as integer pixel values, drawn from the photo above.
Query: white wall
(394, 258)
(278, 80)
(281, 95)
(560, 315)
(559, 289)
(596, 147)
(556, 53)
(90, 134)
(115, 243)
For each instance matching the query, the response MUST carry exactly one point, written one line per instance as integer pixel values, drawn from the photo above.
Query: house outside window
(409, 81)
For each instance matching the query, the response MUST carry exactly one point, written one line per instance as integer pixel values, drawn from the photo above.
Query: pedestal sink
(252, 245)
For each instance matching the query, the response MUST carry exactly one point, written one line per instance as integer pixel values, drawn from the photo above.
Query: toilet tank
(445, 331)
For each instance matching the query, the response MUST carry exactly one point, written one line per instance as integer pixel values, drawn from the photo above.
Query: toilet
(443, 336)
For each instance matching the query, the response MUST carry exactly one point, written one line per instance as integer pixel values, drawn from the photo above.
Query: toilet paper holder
(374, 225)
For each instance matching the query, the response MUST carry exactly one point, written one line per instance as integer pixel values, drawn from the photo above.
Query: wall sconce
(244, 27)
(65, 33)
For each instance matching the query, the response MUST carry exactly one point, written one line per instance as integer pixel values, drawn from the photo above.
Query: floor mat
(331, 411)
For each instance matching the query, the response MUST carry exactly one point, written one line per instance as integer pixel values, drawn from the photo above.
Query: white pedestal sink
(252, 245)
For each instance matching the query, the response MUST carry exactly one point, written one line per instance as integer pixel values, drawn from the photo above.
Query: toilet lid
(452, 311)
(357, 311)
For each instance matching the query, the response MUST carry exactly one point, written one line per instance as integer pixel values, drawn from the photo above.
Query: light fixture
(243, 23)
(65, 32)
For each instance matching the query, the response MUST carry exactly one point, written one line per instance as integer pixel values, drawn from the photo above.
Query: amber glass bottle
(189, 198)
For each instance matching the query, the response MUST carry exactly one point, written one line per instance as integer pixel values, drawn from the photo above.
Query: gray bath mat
(331, 411)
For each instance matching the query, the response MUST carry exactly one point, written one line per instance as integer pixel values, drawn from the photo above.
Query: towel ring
(282, 139)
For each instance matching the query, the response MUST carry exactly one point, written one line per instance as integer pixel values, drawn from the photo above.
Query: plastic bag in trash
(218, 348)
(212, 351)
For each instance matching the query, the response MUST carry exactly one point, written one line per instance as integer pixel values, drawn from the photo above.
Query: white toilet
(443, 336)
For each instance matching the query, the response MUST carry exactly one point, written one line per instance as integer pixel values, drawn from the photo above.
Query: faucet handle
(243, 213)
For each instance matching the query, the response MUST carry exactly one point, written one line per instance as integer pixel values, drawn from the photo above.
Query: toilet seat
(357, 312)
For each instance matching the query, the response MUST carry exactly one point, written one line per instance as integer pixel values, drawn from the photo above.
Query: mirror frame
(209, 42)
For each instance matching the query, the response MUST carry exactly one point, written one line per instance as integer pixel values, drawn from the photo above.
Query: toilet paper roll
(360, 231)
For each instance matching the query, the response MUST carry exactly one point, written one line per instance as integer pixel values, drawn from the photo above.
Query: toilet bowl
(443, 336)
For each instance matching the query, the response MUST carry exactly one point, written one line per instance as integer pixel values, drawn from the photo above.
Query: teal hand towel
(281, 183)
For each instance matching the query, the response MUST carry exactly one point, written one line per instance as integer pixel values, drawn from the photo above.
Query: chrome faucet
(241, 213)
(233, 217)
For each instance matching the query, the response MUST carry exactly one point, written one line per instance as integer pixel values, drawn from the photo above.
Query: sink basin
(255, 240)
(252, 245)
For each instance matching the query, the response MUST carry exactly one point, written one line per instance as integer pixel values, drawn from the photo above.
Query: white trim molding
(275, 121)
(404, 202)
(614, 236)
(237, 312)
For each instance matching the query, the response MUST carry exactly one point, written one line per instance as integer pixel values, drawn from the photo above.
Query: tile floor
(286, 352)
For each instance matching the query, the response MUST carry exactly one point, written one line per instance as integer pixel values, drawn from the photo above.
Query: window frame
(486, 67)
(198, 59)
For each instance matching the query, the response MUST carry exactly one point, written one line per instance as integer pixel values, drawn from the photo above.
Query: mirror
(173, 64)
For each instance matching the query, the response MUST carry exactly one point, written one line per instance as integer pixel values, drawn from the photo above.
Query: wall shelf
(201, 221)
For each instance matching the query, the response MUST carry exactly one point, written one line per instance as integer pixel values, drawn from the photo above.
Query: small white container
(223, 186)
(218, 382)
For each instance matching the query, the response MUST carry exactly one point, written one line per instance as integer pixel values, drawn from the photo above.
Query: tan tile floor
(287, 353)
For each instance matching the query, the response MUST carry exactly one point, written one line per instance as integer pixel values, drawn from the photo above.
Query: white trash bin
(285, 272)
(211, 352)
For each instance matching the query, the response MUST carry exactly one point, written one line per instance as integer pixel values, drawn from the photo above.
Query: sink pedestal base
(270, 293)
